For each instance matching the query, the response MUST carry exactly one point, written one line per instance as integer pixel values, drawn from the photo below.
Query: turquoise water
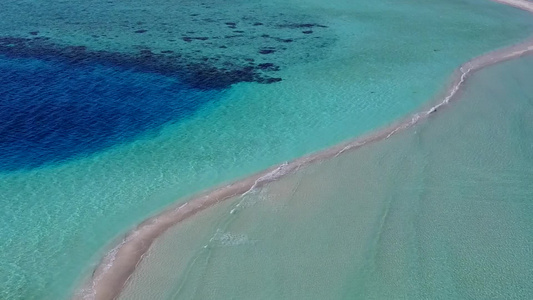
(440, 211)
(372, 64)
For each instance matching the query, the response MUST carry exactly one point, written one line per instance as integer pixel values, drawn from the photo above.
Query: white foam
(269, 177)
(452, 92)
(228, 239)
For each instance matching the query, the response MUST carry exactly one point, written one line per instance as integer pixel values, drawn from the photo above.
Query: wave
(108, 279)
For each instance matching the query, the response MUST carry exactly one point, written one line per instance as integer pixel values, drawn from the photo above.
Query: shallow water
(440, 211)
(372, 64)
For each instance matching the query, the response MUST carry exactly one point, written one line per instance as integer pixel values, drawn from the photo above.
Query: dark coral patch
(307, 31)
(231, 25)
(267, 51)
(34, 32)
(301, 25)
(283, 40)
(141, 31)
(198, 73)
(219, 78)
(190, 39)
(268, 67)
(269, 80)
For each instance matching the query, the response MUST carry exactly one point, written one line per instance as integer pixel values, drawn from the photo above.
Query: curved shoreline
(521, 4)
(114, 270)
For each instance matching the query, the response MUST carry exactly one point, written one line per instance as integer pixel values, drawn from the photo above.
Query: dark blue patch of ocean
(51, 111)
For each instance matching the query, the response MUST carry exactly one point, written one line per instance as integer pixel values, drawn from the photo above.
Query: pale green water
(380, 61)
(440, 211)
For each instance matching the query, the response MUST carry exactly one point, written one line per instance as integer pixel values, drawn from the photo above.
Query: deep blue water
(51, 111)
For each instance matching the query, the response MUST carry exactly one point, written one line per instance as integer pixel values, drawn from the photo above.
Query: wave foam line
(114, 270)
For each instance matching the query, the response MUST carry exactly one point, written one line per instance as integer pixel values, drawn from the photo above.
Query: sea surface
(112, 110)
(439, 211)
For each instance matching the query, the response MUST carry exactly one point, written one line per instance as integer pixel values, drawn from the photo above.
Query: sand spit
(110, 276)
(522, 4)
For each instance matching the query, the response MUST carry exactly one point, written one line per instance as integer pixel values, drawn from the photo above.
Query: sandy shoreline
(522, 4)
(109, 278)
